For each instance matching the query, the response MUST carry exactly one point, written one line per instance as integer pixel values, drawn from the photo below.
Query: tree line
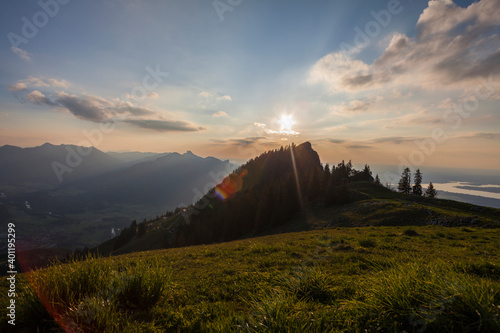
(405, 186)
(272, 190)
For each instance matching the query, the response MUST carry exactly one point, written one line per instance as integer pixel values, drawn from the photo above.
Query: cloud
(205, 94)
(242, 141)
(164, 125)
(354, 106)
(489, 136)
(95, 108)
(335, 140)
(220, 114)
(224, 98)
(359, 147)
(36, 97)
(60, 83)
(335, 69)
(212, 100)
(152, 95)
(38, 82)
(453, 47)
(98, 109)
(88, 107)
(18, 86)
(261, 125)
(393, 139)
(22, 53)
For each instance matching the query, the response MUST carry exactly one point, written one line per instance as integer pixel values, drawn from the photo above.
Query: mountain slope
(264, 197)
(385, 279)
(100, 194)
(168, 180)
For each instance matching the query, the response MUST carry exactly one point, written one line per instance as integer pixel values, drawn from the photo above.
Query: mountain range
(76, 195)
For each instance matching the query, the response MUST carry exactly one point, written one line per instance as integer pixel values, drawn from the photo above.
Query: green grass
(337, 280)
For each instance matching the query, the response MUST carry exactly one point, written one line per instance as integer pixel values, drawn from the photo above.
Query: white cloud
(38, 82)
(454, 47)
(18, 86)
(224, 98)
(335, 69)
(58, 83)
(36, 97)
(22, 53)
(205, 94)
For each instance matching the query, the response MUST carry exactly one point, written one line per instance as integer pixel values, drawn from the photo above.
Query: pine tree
(133, 228)
(405, 181)
(430, 192)
(141, 229)
(417, 187)
(326, 177)
(377, 180)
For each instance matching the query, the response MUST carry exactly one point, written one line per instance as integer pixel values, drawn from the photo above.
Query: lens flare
(286, 122)
(230, 186)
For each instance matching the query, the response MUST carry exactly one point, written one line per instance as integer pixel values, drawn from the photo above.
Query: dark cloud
(164, 125)
(335, 140)
(490, 136)
(246, 141)
(100, 110)
(241, 142)
(358, 81)
(359, 147)
(393, 139)
(87, 108)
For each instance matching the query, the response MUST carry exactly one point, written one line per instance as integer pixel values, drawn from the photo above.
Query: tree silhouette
(430, 192)
(141, 229)
(417, 187)
(405, 181)
(273, 188)
(377, 180)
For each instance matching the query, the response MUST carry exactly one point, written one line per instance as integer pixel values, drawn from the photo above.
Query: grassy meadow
(367, 279)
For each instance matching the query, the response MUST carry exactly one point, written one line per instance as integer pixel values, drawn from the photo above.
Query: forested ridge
(266, 192)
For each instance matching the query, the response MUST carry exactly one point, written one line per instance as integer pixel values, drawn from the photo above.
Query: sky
(379, 82)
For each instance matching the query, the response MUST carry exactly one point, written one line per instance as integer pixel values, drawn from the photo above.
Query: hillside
(289, 190)
(368, 279)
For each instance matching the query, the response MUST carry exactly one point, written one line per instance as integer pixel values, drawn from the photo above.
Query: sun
(286, 122)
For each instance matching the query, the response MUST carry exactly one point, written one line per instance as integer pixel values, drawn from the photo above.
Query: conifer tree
(405, 181)
(417, 187)
(377, 180)
(431, 191)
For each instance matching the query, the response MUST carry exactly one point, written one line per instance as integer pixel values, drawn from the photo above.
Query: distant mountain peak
(47, 144)
(189, 153)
